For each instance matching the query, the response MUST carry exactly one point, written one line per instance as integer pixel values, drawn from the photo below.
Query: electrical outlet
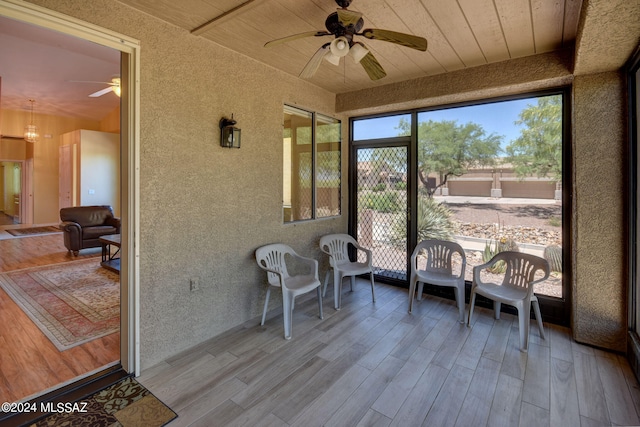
(194, 283)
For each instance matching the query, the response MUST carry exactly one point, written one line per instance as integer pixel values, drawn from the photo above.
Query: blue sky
(497, 117)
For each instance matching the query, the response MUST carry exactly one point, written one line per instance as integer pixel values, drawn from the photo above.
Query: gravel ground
(536, 224)
(538, 216)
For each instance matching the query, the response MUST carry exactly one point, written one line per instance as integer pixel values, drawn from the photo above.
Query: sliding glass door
(489, 176)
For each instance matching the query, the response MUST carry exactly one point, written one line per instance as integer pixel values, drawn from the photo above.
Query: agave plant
(434, 222)
(489, 252)
(500, 245)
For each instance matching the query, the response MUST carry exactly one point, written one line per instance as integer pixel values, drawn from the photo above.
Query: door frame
(130, 149)
(26, 185)
(26, 191)
(401, 141)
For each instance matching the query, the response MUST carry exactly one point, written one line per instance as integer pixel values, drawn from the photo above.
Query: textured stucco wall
(607, 36)
(503, 78)
(599, 269)
(204, 209)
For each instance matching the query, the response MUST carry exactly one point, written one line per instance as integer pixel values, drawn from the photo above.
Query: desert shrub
(400, 185)
(379, 187)
(555, 222)
(386, 202)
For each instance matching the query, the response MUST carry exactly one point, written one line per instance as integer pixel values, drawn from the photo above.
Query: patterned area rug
(33, 231)
(71, 303)
(124, 404)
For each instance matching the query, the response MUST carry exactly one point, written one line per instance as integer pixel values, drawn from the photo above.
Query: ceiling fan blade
(349, 17)
(296, 37)
(408, 40)
(101, 92)
(90, 81)
(372, 67)
(312, 66)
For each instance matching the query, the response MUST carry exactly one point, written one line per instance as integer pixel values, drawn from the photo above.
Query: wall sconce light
(229, 134)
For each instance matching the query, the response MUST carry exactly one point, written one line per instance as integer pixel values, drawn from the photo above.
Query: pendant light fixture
(31, 130)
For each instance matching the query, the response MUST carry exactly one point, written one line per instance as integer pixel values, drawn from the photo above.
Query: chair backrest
(272, 257)
(337, 246)
(439, 255)
(522, 269)
(87, 216)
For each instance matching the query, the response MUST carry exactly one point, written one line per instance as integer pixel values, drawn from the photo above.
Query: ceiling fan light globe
(335, 60)
(357, 52)
(340, 46)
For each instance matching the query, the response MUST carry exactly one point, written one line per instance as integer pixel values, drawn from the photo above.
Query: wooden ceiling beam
(225, 16)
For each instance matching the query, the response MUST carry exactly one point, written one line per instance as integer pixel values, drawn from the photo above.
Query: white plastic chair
(337, 247)
(438, 270)
(272, 259)
(516, 289)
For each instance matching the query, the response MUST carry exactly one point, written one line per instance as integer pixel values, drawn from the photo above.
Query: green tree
(450, 149)
(538, 149)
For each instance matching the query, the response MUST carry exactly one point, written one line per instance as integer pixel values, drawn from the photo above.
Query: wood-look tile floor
(375, 365)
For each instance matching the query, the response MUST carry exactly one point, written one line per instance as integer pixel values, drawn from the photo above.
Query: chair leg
(337, 290)
(412, 291)
(373, 291)
(287, 311)
(459, 294)
(524, 312)
(536, 311)
(266, 305)
(320, 303)
(496, 309)
(353, 282)
(472, 302)
(326, 282)
(420, 291)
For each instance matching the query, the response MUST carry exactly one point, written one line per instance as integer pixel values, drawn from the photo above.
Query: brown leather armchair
(82, 226)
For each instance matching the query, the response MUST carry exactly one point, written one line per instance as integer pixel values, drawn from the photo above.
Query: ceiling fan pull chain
(344, 71)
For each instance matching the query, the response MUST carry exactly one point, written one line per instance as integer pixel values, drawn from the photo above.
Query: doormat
(72, 302)
(33, 230)
(127, 403)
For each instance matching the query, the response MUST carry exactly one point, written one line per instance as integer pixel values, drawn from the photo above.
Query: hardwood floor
(29, 362)
(375, 365)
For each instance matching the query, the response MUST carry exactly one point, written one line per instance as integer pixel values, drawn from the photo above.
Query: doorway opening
(123, 343)
(11, 196)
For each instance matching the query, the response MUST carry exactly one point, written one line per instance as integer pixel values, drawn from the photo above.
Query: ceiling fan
(113, 86)
(344, 24)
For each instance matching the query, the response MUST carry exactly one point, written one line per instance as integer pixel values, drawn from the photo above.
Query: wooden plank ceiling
(460, 33)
